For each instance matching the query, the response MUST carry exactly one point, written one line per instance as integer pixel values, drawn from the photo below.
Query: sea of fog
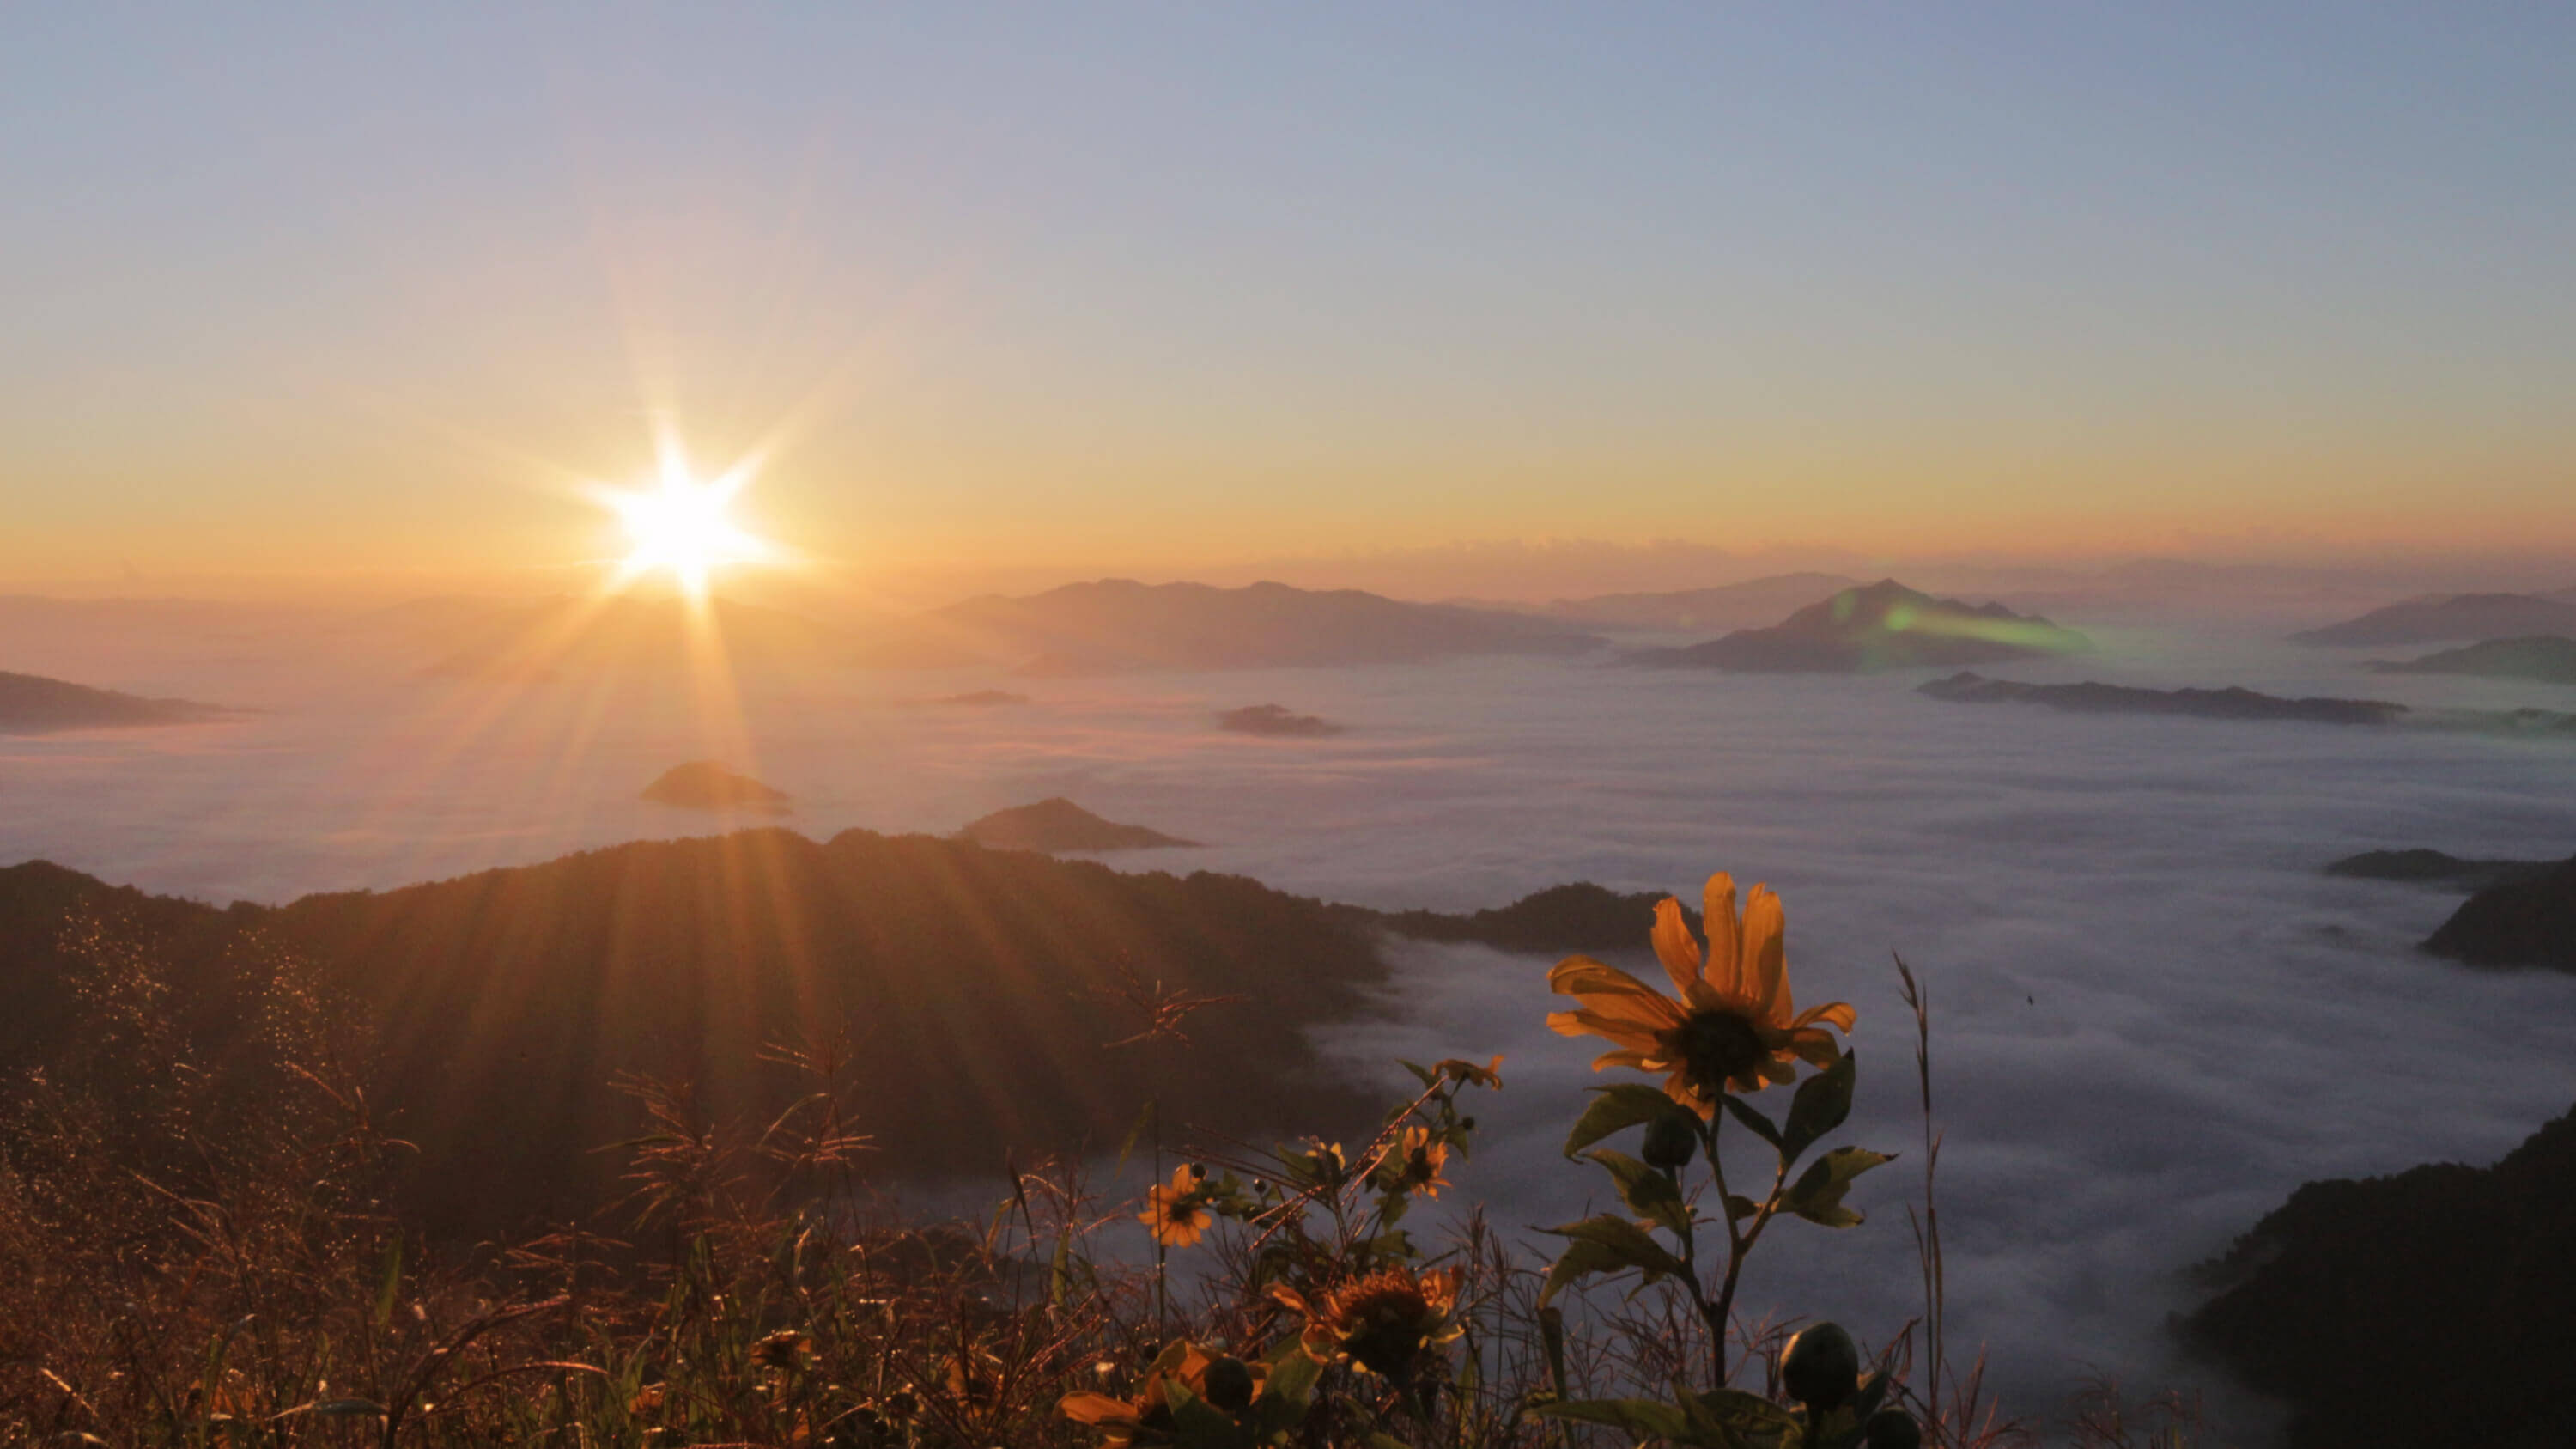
(2153, 1016)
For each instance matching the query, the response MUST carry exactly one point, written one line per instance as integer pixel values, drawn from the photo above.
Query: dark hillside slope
(2433, 1308)
(2527, 922)
(980, 991)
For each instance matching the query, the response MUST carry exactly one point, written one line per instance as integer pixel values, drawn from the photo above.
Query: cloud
(2153, 1017)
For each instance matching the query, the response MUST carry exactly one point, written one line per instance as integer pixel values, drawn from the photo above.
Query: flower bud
(1821, 1367)
(1228, 1385)
(1892, 1429)
(1670, 1142)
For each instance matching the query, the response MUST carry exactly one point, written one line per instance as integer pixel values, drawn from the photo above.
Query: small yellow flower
(1467, 1073)
(1227, 1384)
(1422, 1158)
(1383, 1320)
(1734, 1025)
(1178, 1215)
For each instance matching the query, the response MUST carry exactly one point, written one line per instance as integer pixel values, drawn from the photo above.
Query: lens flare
(683, 528)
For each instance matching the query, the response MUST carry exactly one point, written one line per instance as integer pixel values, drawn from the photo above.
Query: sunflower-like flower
(1734, 1026)
(1228, 1384)
(1420, 1159)
(1178, 1215)
(1383, 1320)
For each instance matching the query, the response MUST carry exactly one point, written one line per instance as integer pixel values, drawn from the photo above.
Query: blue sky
(1196, 281)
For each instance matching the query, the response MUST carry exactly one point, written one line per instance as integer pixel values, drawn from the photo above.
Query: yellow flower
(1383, 1320)
(1734, 1024)
(1225, 1383)
(1422, 1159)
(1178, 1215)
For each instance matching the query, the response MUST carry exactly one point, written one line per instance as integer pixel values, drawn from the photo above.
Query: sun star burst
(683, 527)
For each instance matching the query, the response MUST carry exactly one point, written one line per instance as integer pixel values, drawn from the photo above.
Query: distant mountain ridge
(2233, 702)
(2548, 658)
(1119, 624)
(34, 704)
(2440, 618)
(2432, 867)
(1725, 606)
(1882, 626)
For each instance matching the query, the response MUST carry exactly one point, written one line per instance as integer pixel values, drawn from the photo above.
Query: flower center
(1713, 1046)
(1382, 1319)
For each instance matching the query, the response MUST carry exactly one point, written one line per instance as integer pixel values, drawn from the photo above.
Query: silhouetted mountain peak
(1884, 625)
(1056, 824)
(711, 785)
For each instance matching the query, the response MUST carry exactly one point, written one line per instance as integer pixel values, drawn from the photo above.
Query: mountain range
(33, 704)
(1119, 624)
(1884, 625)
(2440, 618)
(1750, 604)
(991, 1001)
(2548, 658)
(1107, 626)
(2093, 697)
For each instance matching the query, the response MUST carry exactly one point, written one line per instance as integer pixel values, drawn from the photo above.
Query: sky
(335, 291)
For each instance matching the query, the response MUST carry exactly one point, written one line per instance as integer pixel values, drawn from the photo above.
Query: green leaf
(1646, 1190)
(1751, 1116)
(1060, 1269)
(1740, 1207)
(1818, 1195)
(1285, 1392)
(1606, 1244)
(1202, 1425)
(1823, 1101)
(390, 1286)
(1618, 1108)
(1643, 1418)
(1749, 1415)
(1551, 1337)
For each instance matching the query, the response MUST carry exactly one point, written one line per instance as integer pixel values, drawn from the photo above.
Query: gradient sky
(340, 288)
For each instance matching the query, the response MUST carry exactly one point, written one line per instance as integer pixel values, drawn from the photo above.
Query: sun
(682, 527)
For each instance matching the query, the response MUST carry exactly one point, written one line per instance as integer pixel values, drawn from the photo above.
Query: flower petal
(1628, 1034)
(1580, 975)
(1817, 1048)
(1674, 945)
(1089, 1408)
(1766, 955)
(1839, 1013)
(1644, 1061)
(1717, 913)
